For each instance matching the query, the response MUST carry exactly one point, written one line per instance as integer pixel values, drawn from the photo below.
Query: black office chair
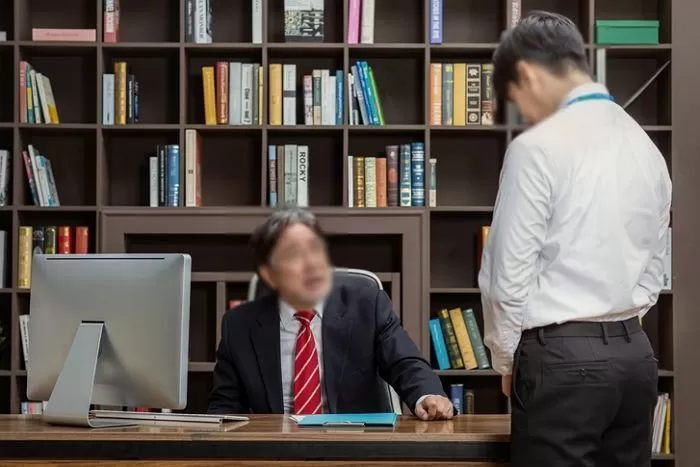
(258, 288)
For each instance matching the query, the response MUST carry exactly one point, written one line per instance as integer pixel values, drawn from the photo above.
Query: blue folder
(350, 419)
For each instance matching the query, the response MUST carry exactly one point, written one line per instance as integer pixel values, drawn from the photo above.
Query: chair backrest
(346, 276)
(258, 289)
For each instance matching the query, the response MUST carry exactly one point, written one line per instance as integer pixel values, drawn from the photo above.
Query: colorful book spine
(354, 21)
(173, 186)
(457, 397)
(482, 359)
(417, 174)
(405, 173)
(438, 339)
(436, 21)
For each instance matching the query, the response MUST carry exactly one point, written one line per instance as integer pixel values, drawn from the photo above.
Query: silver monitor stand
(71, 397)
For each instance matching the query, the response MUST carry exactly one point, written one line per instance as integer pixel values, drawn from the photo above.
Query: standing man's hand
(435, 408)
(506, 384)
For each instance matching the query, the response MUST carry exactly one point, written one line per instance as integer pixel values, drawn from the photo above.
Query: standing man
(314, 346)
(574, 258)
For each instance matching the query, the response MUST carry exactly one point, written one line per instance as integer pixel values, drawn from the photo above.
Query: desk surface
(483, 438)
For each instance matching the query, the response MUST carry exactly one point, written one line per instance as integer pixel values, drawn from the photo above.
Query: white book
(332, 94)
(201, 22)
(290, 174)
(302, 176)
(289, 93)
(235, 93)
(351, 182)
(3, 36)
(247, 93)
(43, 97)
(367, 22)
(36, 104)
(108, 99)
(257, 21)
(153, 181)
(190, 168)
(351, 113)
(24, 336)
(34, 163)
(325, 101)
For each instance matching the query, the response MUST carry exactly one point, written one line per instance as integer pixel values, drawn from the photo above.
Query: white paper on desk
(297, 418)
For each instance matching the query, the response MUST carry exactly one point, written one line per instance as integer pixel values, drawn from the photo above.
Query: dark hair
(548, 39)
(266, 235)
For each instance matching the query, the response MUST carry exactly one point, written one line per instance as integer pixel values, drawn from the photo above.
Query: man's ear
(266, 275)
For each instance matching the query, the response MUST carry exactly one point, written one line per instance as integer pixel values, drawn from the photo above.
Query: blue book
(347, 420)
(417, 175)
(339, 97)
(173, 164)
(436, 21)
(439, 344)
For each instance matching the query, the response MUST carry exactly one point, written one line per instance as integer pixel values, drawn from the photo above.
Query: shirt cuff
(503, 365)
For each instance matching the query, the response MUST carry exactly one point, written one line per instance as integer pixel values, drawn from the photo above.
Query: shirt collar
(287, 312)
(582, 90)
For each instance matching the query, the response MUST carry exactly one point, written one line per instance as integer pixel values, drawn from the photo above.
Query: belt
(602, 329)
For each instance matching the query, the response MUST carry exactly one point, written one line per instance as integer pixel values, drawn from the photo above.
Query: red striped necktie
(307, 377)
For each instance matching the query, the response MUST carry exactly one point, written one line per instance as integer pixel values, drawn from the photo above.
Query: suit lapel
(336, 330)
(266, 342)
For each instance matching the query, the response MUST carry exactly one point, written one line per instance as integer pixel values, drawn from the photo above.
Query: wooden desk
(266, 440)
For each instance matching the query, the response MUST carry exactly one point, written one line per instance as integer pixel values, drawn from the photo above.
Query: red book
(65, 240)
(81, 240)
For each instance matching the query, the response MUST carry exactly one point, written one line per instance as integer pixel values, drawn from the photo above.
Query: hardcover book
(303, 20)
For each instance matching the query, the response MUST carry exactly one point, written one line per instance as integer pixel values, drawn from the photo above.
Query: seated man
(315, 347)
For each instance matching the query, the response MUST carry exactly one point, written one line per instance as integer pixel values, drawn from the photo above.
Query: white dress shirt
(289, 328)
(579, 225)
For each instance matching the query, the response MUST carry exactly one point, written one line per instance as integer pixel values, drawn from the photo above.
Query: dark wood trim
(686, 228)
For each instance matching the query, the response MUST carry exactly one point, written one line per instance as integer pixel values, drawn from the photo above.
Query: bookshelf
(425, 256)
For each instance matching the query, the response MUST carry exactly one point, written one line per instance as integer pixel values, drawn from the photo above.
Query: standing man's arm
(227, 395)
(401, 365)
(651, 281)
(521, 214)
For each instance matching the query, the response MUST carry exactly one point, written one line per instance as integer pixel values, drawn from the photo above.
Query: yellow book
(465, 344)
(260, 96)
(275, 94)
(120, 93)
(50, 100)
(24, 270)
(436, 93)
(209, 95)
(459, 98)
(667, 429)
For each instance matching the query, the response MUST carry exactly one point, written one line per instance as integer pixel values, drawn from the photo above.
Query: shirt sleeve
(506, 278)
(651, 281)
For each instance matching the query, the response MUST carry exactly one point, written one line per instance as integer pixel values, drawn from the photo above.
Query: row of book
(361, 21)
(322, 96)
(36, 98)
(461, 94)
(40, 177)
(120, 96)
(51, 239)
(395, 180)
(288, 175)
(232, 93)
(661, 434)
(165, 169)
(457, 340)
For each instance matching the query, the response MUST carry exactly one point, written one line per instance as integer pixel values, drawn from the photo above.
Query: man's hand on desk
(435, 408)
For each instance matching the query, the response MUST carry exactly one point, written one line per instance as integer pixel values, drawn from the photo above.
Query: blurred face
(299, 269)
(535, 94)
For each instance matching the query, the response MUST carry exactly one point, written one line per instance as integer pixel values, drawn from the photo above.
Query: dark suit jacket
(363, 341)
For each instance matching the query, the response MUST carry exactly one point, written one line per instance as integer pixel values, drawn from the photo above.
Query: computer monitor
(108, 329)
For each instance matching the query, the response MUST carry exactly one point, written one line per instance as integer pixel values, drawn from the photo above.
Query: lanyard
(590, 97)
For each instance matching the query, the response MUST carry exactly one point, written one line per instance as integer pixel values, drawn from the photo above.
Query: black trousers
(583, 395)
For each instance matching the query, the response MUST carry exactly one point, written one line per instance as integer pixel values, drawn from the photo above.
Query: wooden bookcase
(425, 256)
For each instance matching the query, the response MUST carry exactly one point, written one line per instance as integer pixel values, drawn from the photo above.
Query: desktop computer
(108, 329)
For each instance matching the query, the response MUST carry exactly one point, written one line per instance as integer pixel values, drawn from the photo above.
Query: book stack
(37, 104)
